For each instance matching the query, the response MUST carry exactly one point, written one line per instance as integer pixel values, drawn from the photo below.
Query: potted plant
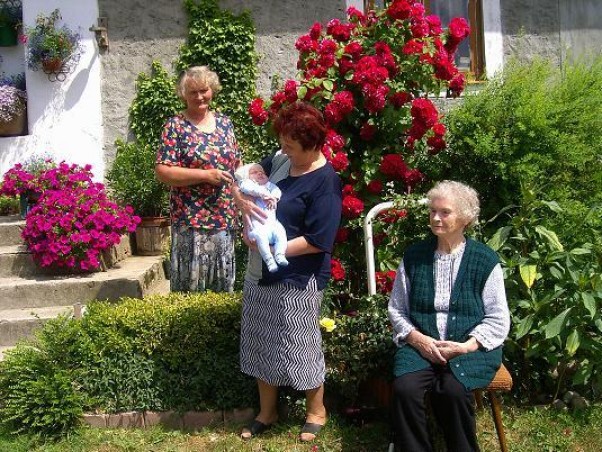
(74, 221)
(13, 105)
(49, 46)
(132, 181)
(11, 13)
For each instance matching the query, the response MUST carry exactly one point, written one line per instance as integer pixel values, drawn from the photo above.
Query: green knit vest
(473, 370)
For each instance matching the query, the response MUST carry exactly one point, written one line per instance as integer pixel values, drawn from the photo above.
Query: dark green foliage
(359, 347)
(226, 43)
(537, 124)
(554, 294)
(37, 395)
(132, 180)
(155, 101)
(9, 205)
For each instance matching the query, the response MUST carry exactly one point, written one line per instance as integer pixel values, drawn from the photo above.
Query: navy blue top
(310, 206)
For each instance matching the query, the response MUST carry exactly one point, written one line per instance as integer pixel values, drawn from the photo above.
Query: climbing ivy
(226, 43)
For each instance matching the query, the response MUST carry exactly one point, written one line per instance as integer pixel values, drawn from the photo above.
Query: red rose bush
(373, 78)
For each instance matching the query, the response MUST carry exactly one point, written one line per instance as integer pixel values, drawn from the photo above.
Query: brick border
(190, 420)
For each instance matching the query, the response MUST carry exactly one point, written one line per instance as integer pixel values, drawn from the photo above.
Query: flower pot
(152, 236)
(52, 65)
(26, 202)
(16, 126)
(8, 36)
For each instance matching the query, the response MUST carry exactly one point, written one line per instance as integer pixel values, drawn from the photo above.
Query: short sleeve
(168, 152)
(323, 215)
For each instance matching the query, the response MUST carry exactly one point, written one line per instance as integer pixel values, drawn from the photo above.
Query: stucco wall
(64, 117)
(141, 31)
(551, 29)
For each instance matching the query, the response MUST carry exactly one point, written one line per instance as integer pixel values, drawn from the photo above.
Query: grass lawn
(528, 429)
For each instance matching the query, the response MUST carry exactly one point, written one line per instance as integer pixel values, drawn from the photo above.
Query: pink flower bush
(73, 221)
(373, 77)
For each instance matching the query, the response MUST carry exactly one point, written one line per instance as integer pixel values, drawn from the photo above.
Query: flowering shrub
(371, 78)
(71, 227)
(73, 220)
(47, 42)
(13, 102)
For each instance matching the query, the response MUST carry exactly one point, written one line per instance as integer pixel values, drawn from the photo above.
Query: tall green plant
(536, 123)
(226, 43)
(555, 296)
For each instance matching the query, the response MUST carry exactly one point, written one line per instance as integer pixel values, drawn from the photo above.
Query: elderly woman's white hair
(202, 75)
(465, 198)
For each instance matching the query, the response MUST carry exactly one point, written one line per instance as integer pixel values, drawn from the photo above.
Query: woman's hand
(247, 206)
(451, 349)
(218, 177)
(426, 346)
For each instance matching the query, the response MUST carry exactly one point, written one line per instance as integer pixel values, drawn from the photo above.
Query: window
(470, 56)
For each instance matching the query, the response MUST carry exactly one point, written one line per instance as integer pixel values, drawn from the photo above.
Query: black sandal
(312, 429)
(255, 428)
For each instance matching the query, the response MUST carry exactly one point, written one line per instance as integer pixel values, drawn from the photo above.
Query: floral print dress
(203, 216)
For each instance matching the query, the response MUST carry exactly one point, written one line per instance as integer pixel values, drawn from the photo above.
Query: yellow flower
(328, 324)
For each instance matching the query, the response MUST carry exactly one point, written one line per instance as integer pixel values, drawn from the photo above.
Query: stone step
(132, 277)
(15, 260)
(16, 324)
(10, 230)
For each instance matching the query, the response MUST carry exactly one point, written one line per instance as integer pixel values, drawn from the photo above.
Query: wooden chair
(502, 381)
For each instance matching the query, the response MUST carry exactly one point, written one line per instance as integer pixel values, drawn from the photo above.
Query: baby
(253, 181)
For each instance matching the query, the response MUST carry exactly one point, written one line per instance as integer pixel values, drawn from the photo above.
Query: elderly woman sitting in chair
(450, 318)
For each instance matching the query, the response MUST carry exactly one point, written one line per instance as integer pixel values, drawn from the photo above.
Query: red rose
(400, 98)
(306, 44)
(354, 49)
(456, 85)
(352, 207)
(367, 132)
(413, 47)
(375, 187)
(393, 166)
(399, 10)
(290, 90)
(435, 24)
(337, 270)
(348, 190)
(315, 31)
(342, 235)
(384, 281)
(458, 29)
(355, 15)
(339, 161)
(258, 115)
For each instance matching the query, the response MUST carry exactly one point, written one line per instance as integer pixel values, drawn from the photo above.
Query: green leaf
(580, 251)
(553, 205)
(499, 238)
(573, 342)
(302, 92)
(550, 236)
(590, 303)
(553, 328)
(524, 326)
(328, 85)
(528, 273)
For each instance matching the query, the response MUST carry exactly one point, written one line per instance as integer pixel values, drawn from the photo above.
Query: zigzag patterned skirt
(280, 341)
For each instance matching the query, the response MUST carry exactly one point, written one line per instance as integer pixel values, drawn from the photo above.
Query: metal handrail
(369, 239)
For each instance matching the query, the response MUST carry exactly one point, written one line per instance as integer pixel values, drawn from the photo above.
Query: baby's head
(253, 171)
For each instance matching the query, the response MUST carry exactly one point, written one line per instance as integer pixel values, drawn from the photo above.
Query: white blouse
(490, 333)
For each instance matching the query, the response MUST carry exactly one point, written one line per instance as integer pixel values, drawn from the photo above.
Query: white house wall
(64, 117)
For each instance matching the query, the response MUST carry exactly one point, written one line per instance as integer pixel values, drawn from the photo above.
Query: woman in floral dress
(197, 159)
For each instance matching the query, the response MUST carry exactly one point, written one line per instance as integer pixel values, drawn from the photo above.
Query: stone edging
(190, 420)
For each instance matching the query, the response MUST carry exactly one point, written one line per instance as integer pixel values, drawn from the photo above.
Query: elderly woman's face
(197, 96)
(444, 218)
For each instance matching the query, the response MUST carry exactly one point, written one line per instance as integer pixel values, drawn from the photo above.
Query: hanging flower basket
(54, 49)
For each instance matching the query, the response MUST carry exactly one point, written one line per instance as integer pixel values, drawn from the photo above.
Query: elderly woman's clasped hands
(439, 352)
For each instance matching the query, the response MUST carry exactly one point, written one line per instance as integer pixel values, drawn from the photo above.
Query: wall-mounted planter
(15, 127)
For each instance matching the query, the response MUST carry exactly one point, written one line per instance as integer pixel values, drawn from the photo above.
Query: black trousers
(452, 406)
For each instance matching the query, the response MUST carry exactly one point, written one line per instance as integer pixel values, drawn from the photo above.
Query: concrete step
(132, 277)
(15, 260)
(10, 230)
(16, 324)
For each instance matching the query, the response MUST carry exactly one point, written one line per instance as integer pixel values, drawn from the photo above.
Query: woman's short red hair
(303, 123)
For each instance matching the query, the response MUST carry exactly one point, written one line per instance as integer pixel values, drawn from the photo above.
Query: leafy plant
(555, 296)
(11, 13)
(47, 42)
(532, 123)
(13, 102)
(8, 205)
(131, 180)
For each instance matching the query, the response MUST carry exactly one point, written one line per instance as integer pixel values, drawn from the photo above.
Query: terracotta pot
(16, 126)
(52, 64)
